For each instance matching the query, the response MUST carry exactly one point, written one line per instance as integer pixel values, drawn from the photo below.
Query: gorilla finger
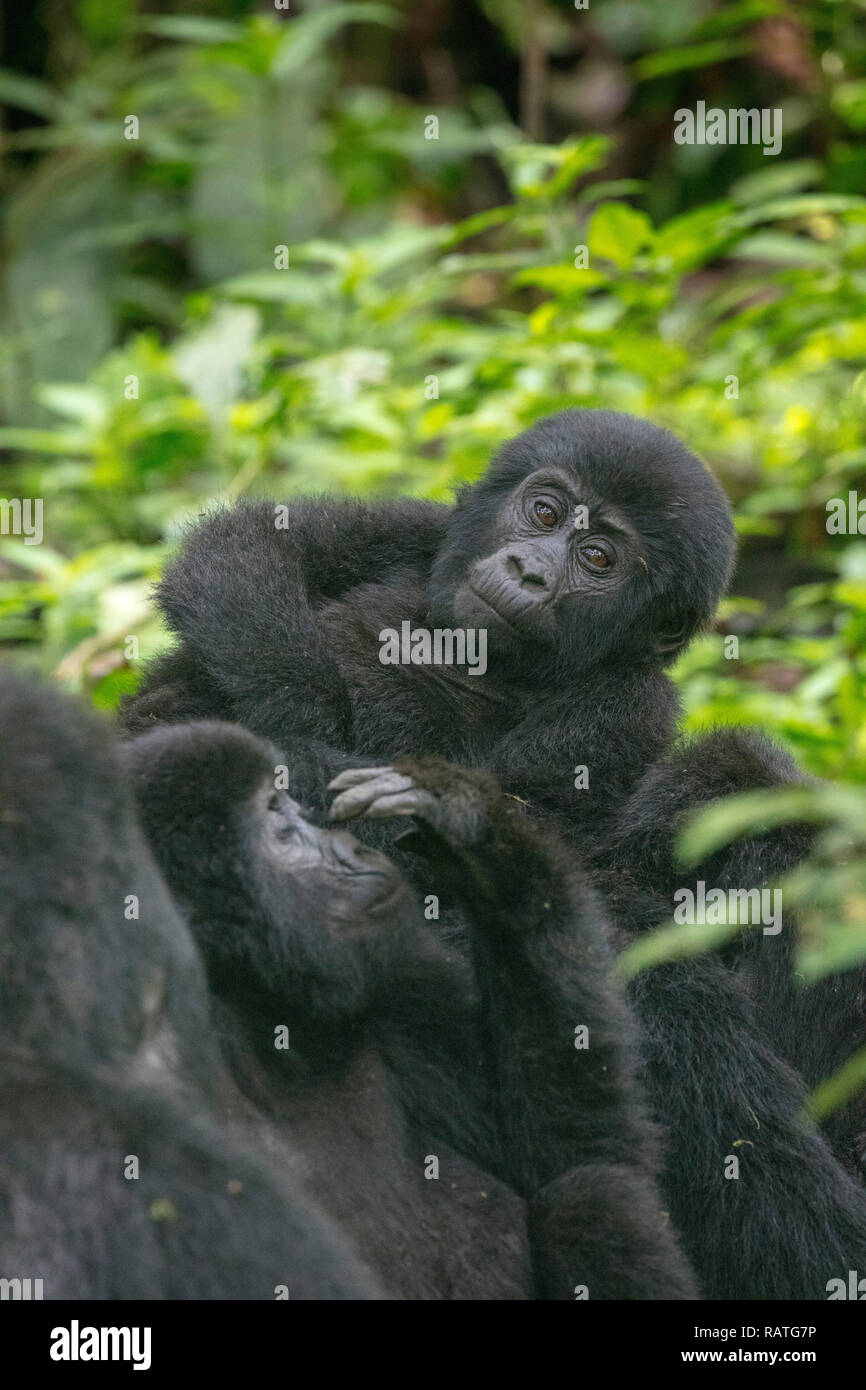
(414, 802)
(356, 799)
(354, 776)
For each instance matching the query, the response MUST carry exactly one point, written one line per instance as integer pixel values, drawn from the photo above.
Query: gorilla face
(297, 870)
(593, 537)
(554, 554)
(282, 910)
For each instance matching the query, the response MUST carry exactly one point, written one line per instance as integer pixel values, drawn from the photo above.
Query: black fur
(280, 630)
(815, 1030)
(395, 1057)
(107, 1051)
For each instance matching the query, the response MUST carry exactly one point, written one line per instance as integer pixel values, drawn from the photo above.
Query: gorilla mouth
(504, 618)
(528, 621)
(368, 880)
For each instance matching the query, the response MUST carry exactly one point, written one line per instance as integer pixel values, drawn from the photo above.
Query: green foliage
(154, 358)
(826, 893)
(398, 361)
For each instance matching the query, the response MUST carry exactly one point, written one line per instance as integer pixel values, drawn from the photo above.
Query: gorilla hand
(464, 807)
(473, 834)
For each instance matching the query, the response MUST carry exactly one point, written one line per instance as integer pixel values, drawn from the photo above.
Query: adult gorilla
(115, 1180)
(448, 1130)
(592, 551)
(156, 1143)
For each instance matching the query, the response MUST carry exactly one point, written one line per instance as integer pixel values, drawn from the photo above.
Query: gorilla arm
(814, 1028)
(787, 1218)
(573, 1135)
(245, 595)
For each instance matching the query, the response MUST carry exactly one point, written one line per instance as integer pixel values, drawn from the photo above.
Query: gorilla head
(281, 909)
(592, 534)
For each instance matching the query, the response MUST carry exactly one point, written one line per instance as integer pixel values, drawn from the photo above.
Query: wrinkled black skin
(279, 630)
(107, 1050)
(548, 1164)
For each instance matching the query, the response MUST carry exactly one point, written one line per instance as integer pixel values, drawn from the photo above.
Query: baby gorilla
(115, 1182)
(475, 1129)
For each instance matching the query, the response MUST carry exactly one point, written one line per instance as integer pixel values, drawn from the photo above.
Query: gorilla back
(114, 1180)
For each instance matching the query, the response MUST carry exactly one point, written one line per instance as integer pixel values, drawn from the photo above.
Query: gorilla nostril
(524, 575)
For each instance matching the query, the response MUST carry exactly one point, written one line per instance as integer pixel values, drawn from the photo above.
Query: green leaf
(694, 237)
(564, 281)
(672, 942)
(308, 35)
(85, 404)
(579, 159)
(618, 232)
(732, 817)
(527, 165)
(27, 94)
(696, 55)
(807, 205)
(839, 1087)
(786, 250)
(849, 101)
(42, 441)
(842, 946)
(775, 180)
(192, 29)
(276, 286)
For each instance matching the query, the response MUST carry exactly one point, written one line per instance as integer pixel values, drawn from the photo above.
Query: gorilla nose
(528, 575)
(347, 850)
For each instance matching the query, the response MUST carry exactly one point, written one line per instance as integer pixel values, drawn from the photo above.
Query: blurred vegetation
(436, 300)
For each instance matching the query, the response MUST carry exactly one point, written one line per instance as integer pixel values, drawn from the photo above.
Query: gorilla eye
(594, 556)
(546, 514)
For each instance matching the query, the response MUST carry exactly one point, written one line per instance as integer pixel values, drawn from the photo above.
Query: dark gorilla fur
(279, 629)
(547, 1163)
(107, 1051)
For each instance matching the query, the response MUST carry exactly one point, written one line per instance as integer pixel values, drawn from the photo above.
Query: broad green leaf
(696, 55)
(839, 1087)
(672, 942)
(197, 29)
(308, 34)
(618, 232)
(83, 403)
